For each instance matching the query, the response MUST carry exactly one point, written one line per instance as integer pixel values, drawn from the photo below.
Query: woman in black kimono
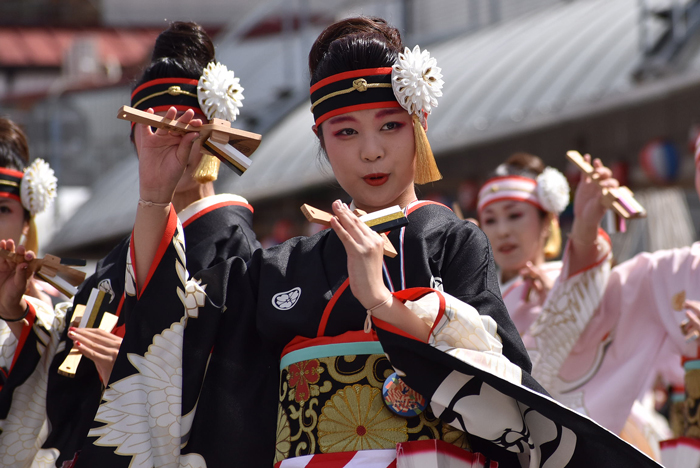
(217, 227)
(321, 351)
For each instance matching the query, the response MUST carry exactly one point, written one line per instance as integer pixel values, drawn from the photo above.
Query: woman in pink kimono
(636, 330)
(598, 337)
(518, 210)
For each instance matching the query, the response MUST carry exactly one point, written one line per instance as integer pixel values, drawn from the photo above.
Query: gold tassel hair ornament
(31, 241)
(426, 167)
(552, 248)
(417, 83)
(207, 170)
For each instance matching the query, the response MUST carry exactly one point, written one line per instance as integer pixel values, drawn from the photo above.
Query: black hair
(14, 150)
(181, 51)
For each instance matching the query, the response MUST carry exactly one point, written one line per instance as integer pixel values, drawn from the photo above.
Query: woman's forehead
(368, 114)
(507, 205)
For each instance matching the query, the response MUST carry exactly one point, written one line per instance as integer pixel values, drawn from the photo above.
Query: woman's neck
(182, 200)
(403, 200)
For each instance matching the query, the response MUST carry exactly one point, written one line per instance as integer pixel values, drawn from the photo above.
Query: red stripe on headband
(345, 110)
(11, 196)
(164, 81)
(350, 74)
(12, 172)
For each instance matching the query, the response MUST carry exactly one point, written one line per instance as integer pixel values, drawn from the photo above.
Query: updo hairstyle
(14, 150)
(181, 51)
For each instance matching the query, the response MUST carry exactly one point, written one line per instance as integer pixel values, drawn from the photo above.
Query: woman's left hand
(365, 250)
(538, 280)
(99, 346)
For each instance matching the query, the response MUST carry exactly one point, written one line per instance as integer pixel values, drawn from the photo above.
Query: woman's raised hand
(14, 278)
(163, 157)
(588, 208)
(100, 346)
(365, 250)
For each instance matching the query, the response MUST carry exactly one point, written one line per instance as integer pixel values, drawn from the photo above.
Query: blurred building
(617, 78)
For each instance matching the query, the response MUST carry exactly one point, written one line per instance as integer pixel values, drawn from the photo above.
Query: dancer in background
(321, 350)
(217, 227)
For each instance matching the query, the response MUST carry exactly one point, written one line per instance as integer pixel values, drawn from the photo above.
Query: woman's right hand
(13, 280)
(163, 156)
(100, 346)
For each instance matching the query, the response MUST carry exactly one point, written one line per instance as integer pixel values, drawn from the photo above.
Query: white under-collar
(204, 203)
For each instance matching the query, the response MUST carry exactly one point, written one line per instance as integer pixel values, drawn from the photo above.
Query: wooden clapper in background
(621, 199)
(88, 314)
(54, 270)
(232, 146)
(380, 221)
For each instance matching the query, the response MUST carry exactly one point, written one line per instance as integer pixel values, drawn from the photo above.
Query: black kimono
(267, 362)
(217, 228)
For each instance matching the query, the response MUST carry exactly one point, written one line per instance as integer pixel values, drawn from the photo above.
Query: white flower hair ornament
(553, 190)
(219, 92)
(37, 191)
(417, 83)
(38, 187)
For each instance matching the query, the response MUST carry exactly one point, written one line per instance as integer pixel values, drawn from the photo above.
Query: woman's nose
(372, 150)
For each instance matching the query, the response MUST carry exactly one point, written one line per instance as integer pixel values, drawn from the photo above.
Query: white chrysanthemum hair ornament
(216, 94)
(417, 83)
(35, 189)
(549, 192)
(219, 92)
(414, 83)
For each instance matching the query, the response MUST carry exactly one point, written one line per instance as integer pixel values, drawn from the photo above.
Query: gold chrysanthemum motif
(284, 434)
(219, 92)
(355, 418)
(417, 81)
(38, 187)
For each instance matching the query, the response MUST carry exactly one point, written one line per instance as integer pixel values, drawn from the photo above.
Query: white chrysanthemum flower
(219, 92)
(553, 190)
(417, 81)
(38, 187)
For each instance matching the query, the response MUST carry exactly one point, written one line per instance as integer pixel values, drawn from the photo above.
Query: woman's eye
(392, 126)
(514, 215)
(489, 221)
(346, 132)
(5, 210)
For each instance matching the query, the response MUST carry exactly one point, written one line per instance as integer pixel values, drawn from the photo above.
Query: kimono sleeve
(569, 307)
(469, 275)
(473, 387)
(23, 394)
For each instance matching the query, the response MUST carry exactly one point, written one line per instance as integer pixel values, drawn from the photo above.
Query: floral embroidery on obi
(334, 404)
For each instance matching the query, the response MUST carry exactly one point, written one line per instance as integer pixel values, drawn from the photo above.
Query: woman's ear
(319, 134)
(547, 226)
(25, 228)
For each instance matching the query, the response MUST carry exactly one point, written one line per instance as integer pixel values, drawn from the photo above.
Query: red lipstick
(376, 179)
